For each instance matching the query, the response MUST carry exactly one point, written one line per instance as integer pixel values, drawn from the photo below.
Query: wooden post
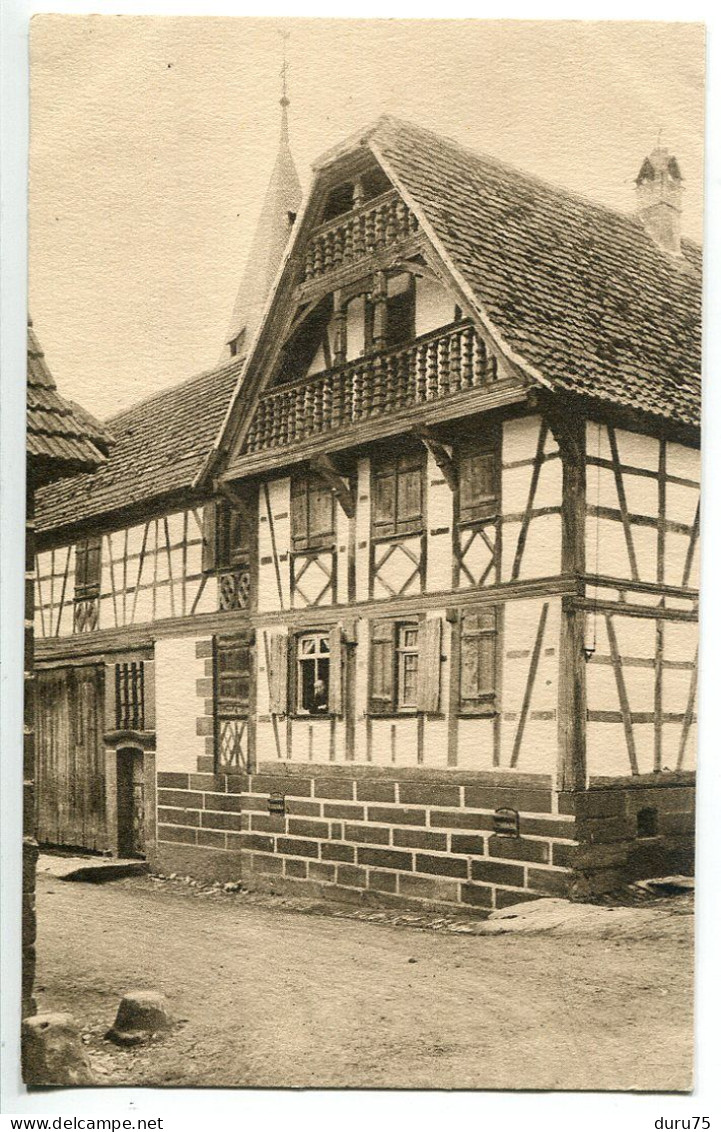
(380, 310)
(569, 429)
(339, 337)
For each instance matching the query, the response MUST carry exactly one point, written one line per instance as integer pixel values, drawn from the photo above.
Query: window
(479, 636)
(647, 822)
(405, 666)
(232, 683)
(398, 494)
(130, 696)
(87, 585)
(312, 513)
(407, 671)
(477, 484)
(233, 660)
(225, 537)
(231, 536)
(313, 673)
(87, 569)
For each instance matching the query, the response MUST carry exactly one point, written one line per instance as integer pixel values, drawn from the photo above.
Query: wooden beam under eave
(326, 467)
(442, 455)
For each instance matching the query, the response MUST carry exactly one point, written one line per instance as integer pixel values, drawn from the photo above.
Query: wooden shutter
(409, 514)
(478, 661)
(384, 497)
(210, 525)
(478, 485)
(299, 512)
(430, 638)
(382, 667)
(278, 675)
(320, 512)
(335, 686)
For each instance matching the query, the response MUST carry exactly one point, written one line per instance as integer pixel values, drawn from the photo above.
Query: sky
(153, 139)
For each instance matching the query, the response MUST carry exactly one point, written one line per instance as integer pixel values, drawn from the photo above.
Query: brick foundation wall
(609, 851)
(368, 834)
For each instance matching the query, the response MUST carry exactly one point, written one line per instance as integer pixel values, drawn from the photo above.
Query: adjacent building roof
(580, 293)
(160, 444)
(59, 432)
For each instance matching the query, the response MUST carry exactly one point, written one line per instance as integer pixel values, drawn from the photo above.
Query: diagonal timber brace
(326, 467)
(441, 453)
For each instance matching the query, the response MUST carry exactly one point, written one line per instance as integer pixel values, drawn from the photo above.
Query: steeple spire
(282, 201)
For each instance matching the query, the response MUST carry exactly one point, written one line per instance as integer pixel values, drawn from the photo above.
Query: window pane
(409, 680)
(307, 679)
(320, 688)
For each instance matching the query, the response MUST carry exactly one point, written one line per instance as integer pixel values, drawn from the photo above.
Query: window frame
(402, 653)
(308, 659)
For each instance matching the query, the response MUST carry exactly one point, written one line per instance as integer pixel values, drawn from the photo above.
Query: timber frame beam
(326, 467)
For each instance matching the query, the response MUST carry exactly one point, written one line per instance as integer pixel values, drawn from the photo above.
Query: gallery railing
(362, 232)
(440, 364)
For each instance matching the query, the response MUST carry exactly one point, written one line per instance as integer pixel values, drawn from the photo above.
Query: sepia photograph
(362, 553)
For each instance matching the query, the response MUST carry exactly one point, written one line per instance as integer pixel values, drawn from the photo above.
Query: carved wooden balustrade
(351, 237)
(438, 365)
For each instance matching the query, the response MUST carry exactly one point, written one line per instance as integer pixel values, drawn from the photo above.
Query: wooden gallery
(399, 602)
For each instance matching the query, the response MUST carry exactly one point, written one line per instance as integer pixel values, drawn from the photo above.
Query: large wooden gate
(70, 792)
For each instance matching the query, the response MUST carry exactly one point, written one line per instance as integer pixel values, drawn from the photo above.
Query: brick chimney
(658, 199)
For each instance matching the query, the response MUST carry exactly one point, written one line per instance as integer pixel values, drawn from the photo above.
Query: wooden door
(70, 762)
(131, 803)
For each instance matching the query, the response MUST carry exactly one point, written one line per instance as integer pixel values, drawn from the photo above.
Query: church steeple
(282, 201)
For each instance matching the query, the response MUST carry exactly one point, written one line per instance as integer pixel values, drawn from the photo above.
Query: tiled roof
(579, 292)
(59, 432)
(160, 444)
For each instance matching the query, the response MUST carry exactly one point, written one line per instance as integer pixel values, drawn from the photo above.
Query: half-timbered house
(463, 469)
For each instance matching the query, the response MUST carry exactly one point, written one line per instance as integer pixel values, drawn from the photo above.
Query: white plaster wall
(542, 553)
(361, 691)
(475, 744)
(539, 747)
(177, 705)
(363, 529)
(439, 563)
(269, 597)
(435, 306)
(342, 531)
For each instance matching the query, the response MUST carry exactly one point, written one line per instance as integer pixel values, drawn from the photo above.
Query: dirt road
(276, 998)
